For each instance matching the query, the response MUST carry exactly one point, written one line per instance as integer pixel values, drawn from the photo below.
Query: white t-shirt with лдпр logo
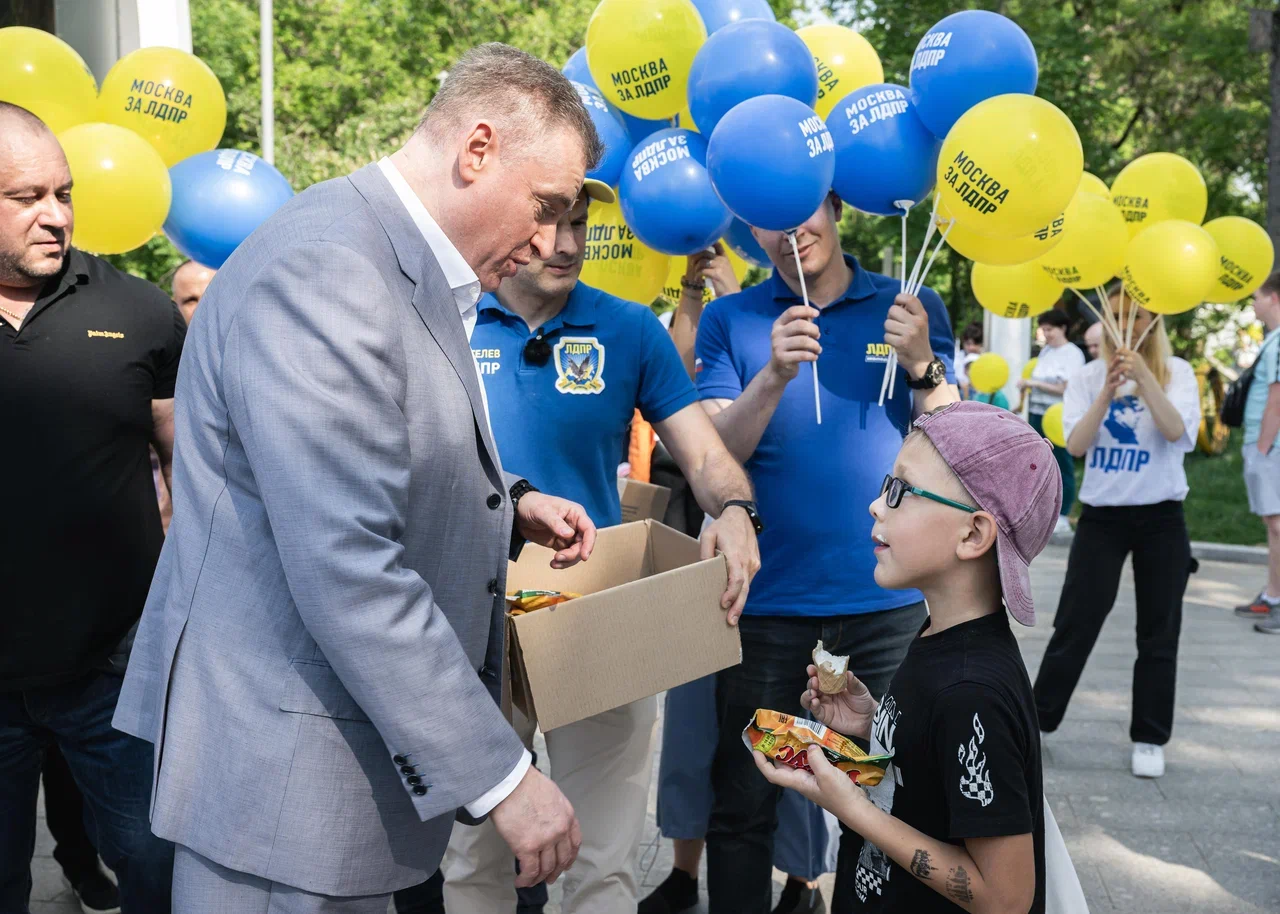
(1129, 461)
(1053, 366)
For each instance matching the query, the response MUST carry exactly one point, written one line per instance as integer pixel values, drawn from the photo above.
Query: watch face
(937, 372)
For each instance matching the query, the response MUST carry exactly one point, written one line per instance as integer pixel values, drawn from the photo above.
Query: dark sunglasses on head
(894, 488)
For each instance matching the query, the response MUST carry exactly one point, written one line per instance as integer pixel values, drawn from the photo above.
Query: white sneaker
(1148, 760)
(1062, 526)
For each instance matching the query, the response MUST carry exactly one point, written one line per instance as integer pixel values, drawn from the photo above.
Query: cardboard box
(649, 619)
(642, 500)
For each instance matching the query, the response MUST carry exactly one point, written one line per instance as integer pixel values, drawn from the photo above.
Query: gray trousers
(201, 886)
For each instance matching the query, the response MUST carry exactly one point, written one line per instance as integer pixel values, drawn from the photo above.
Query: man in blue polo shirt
(755, 356)
(565, 367)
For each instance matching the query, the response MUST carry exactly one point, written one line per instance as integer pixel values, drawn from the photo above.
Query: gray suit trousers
(201, 886)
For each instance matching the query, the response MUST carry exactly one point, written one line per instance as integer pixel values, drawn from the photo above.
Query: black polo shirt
(80, 531)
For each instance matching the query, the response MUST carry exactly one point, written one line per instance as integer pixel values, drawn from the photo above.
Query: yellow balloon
(1247, 256)
(168, 97)
(1092, 184)
(1159, 186)
(1170, 267)
(1021, 290)
(1005, 251)
(685, 120)
(1010, 165)
(1093, 250)
(121, 193)
(1052, 425)
(846, 62)
(988, 373)
(1028, 368)
(45, 75)
(616, 261)
(640, 51)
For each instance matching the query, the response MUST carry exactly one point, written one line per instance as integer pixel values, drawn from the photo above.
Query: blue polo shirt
(563, 425)
(814, 482)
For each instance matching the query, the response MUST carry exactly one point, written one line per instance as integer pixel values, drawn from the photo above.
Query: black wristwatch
(934, 374)
(519, 491)
(750, 508)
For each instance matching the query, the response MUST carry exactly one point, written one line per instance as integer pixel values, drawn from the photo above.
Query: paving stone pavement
(1205, 838)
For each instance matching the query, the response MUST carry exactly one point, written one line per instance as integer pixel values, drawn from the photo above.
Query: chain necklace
(17, 317)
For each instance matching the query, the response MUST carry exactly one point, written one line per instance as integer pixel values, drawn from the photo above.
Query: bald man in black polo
(88, 361)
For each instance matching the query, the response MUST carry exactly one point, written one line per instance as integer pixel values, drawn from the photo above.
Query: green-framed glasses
(894, 488)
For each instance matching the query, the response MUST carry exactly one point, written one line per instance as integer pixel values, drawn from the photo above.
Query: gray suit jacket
(332, 581)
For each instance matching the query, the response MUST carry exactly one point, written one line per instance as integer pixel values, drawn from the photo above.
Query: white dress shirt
(466, 292)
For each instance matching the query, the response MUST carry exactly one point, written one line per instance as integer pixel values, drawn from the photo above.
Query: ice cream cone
(831, 671)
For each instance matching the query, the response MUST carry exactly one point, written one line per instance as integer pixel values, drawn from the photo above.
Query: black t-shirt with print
(960, 722)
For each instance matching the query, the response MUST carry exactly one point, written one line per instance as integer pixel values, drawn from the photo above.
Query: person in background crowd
(1058, 360)
(1093, 339)
(811, 480)
(704, 267)
(806, 838)
(558, 354)
(1133, 416)
(88, 360)
(971, 343)
(970, 349)
(1261, 456)
(190, 280)
(187, 286)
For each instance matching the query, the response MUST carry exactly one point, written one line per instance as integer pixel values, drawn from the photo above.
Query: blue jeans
(112, 770)
(744, 812)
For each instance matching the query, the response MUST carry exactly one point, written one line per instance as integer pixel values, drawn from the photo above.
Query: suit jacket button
(494, 501)
(493, 587)
(414, 780)
(399, 759)
(419, 790)
(408, 769)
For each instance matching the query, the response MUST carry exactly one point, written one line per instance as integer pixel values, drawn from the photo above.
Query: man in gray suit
(319, 657)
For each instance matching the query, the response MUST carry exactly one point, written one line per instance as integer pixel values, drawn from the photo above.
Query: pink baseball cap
(1011, 473)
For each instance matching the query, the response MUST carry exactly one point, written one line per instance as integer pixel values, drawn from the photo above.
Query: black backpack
(1233, 401)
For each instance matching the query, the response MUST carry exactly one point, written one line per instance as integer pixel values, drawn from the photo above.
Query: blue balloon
(967, 58)
(612, 132)
(716, 14)
(771, 161)
(884, 153)
(219, 198)
(666, 195)
(575, 68)
(740, 240)
(746, 59)
(640, 129)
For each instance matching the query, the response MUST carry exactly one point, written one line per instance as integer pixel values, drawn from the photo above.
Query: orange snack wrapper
(526, 601)
(785, 739)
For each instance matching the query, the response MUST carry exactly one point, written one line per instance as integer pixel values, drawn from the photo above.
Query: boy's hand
(825, 785)
(849, 712)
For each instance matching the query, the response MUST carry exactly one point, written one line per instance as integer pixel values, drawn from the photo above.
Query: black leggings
(1157, 537)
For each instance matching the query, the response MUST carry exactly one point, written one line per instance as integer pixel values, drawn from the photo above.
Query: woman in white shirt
(1058, 360)
(1132, 417)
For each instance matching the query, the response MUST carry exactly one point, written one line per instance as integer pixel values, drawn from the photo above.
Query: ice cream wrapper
(785, 739)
